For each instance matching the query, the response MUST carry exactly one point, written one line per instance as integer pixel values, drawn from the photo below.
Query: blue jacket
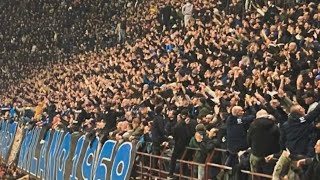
(13, 112)
(237, 132)
(150, 83)
(296, 132)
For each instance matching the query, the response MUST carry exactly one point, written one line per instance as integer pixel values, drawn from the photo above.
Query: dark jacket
(110, 117)
(205, 147)
(193, 111)
(51, 109)
(204, 110)
(192, 127)
(82, 117)
(170, 126)
(237, 133)
(165, 13)
(296, 132)
(158, 129)
(263, 137)
(181, 135)
(313, 170)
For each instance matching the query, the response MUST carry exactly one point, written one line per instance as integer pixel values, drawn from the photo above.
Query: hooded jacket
(263, 137)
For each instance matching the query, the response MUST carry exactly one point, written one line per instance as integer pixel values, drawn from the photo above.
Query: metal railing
(146, 170)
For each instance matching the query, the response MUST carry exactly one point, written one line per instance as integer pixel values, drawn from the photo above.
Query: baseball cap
(201, 129)
(308, 94)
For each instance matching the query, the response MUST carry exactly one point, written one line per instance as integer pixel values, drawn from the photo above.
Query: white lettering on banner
(67, 156)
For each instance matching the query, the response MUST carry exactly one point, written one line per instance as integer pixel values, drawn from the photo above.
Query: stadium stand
(182, 79)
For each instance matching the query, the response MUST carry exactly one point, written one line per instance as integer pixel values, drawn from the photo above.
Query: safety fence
(187, 168)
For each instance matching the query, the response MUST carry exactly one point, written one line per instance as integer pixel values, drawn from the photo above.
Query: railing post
(142, 160)
(180, 171)
(181, 164)
(191, 171)
(206, 171)
(160, 166)
(150, 163)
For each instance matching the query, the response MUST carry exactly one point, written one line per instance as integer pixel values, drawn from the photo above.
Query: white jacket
(187, 9)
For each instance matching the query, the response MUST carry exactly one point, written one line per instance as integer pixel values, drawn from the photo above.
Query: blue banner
(7, 133)
(56, 155)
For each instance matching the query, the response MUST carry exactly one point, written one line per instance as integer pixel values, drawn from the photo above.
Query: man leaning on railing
(206, 142)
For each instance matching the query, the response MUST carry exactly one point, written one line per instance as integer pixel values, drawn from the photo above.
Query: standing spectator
(172, 121)
(310, 100)
(81, 117)
(295, 133)
(110, 116)
(38, 111)
(158, 133)
(51, 109)
(187, 11)
(165, 13)
(263, 138)
(204, 108)
(181, 136)
(121, 31)
(205, 144)
(197, 142)
(136, 131)
(158, 130)
(237, 132)
(13, 110)
(101, 129)
(212, 142)
(313, 164)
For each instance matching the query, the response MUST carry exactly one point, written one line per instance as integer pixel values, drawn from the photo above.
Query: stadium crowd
(9, 173)
(206, 74)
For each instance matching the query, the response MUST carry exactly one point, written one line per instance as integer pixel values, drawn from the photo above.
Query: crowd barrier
(48, 154)
(145, 168)
(63, 155)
